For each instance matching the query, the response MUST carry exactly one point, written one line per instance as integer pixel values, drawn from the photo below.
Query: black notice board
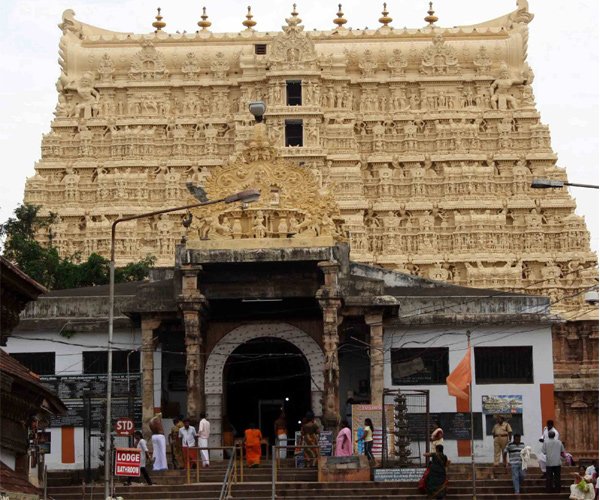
(455, 425)
(326, 443)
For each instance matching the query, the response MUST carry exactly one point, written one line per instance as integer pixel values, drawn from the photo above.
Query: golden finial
(249, 23)
(385, 19)
(159, 24)
(431, 18)
(205, 23)
(340, 21)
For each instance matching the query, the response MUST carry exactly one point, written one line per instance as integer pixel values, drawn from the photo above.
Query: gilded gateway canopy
(427, 140)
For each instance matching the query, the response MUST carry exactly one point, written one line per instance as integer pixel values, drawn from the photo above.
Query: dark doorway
(260, 374)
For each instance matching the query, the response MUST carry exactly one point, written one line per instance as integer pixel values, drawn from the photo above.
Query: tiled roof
(11, 482)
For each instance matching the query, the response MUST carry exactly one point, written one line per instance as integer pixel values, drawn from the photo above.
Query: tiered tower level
(427, 138)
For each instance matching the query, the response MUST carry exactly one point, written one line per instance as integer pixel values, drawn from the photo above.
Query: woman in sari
(252, 438)
(343, 441)
(310, 437)
(436, 482)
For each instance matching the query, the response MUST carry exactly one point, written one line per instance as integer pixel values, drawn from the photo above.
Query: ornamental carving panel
(418, 146)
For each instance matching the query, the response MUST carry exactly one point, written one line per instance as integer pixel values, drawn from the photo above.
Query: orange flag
(460, 378)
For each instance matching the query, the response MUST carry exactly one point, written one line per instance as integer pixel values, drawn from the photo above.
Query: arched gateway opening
(267, 362)
(261, 377)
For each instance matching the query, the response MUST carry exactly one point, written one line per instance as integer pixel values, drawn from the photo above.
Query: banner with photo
(359, 414)
(502, 405)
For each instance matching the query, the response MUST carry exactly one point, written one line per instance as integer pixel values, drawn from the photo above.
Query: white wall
(539, 337)
(69, 361)
(8, 458)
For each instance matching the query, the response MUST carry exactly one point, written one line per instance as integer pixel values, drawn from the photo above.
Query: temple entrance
(261, 377)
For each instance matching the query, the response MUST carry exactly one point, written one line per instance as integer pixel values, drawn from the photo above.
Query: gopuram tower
(428, 139)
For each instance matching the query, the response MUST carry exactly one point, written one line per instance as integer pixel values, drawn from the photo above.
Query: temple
(383, 153)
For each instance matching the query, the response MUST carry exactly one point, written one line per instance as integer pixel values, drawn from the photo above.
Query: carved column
(192, 304)
(148, 345)
(330, 302)
(375, 322)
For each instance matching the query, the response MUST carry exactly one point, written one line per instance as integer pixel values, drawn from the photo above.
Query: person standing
(310, 437)
(502, 433)
(159, 444)
(553, 448)
(436, 481)
(515, 461)
(280, 426)
(437, 435)
(343, 441)
(188, 437)
(541, 456)
(140, 444)
(175, 443)
(252, 439)
(369, 429)
(203, 435)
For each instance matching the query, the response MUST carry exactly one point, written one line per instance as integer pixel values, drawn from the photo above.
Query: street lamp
(246, 196)
(550, 184)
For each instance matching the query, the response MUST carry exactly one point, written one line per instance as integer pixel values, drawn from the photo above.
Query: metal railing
(230, 475)
(195, 458)
(275, 462)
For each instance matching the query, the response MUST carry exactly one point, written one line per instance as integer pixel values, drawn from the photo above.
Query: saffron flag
(460, 378)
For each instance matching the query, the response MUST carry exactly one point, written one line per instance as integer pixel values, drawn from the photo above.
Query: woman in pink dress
(343, 441)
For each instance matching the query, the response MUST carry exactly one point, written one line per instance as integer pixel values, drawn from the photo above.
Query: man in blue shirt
(515, 461)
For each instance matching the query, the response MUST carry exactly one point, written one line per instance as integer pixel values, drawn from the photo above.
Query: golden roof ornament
(249, 23)
(430, 18)
(385, 19)
(294, 20)
(340, 21)
(159, 24)
(204, 23)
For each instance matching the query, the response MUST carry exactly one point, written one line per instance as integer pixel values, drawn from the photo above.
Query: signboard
(44, 441)
(360, 413)
(128, 461)
(124, 426)
(408, 474)
(326, 443)
(73, 389)
(502, 405)
(456, 425)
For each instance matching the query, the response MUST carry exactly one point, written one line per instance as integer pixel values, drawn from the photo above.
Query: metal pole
(472, 422)
(427, 423)
(273, 475)
(111, 304)
(576, 184)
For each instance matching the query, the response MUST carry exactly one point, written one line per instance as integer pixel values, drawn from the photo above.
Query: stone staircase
(493, 483)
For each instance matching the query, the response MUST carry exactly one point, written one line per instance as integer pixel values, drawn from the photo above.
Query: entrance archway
(261, 377)
(215, 366)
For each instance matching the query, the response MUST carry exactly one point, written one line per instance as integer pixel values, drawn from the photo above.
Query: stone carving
(501, 97)
(439, 59)
(106, 68)
(191, 67)
(482, 62)
(397, 63)
(219, 66)
(85, 104)
(292, 49)
(368, 65)
(148, 64)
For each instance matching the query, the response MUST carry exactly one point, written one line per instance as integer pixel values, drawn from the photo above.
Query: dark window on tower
(294, 92)
(417, 366)
(260, 49)
(97, 361)
(293, 133)
(503, 365)
(42, 363)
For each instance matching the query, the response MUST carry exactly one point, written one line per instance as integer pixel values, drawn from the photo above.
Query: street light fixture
(258, 109)
(246, 196)
(550, 184)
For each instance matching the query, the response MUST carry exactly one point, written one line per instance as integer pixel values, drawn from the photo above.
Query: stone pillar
(192, 304)
(149, 324)
(375, 322)
(330, 302)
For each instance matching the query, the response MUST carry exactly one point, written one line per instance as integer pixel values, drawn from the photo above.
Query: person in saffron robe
(310, 437)
(176, 450)
(252, 438)
(343, 441)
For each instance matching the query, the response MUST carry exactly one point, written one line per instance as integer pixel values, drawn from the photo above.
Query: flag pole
(472, 423)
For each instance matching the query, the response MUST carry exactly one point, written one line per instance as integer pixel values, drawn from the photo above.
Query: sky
(563, 52)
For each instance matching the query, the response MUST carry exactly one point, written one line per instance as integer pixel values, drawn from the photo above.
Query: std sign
(124, 427)
(127, 461)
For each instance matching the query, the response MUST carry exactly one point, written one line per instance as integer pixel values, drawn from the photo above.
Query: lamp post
(246, 196)
(550, 184)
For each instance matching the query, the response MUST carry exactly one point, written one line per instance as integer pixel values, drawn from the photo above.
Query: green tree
(43, 262)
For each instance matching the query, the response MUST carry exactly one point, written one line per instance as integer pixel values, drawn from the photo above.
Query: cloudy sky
(563, 52)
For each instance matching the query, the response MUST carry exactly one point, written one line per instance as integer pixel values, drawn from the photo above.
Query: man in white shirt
(188, 437)
(203, 435)
(140, 443)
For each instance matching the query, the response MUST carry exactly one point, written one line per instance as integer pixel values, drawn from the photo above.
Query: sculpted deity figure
(86, 105)
(501, 98)
(397, 63)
